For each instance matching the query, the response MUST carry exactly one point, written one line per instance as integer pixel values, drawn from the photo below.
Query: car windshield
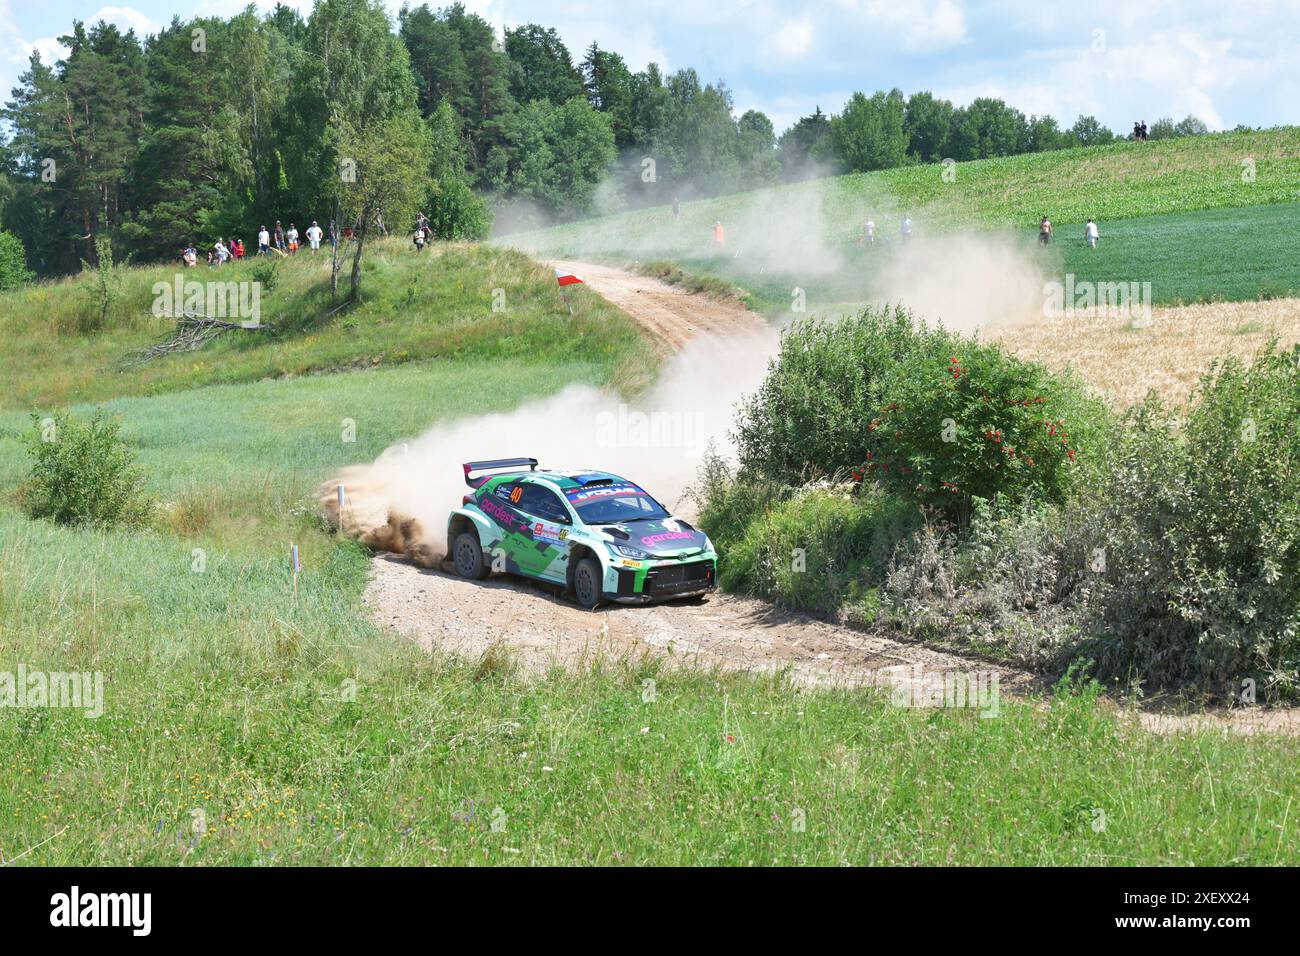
(615, 504)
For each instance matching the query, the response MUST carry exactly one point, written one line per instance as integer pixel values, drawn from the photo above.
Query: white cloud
(919, 24)
(126, 18)
(793, 39)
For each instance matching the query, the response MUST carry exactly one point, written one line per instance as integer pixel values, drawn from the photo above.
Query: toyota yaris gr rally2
(599, 536)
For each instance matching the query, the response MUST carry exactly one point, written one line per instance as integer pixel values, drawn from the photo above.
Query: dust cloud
(400, 502)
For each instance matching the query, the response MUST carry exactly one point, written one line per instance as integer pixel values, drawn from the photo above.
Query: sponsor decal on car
(652, 539)
(498, 512)
(605, 491)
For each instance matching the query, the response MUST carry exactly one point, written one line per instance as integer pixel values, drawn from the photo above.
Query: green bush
(13, 262)
(83, 473)
(1202, 537)
(817, 549)
(979, 423)
(812, 548)
(810, 416)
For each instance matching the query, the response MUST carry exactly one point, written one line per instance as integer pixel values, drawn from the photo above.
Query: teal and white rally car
(595, 534)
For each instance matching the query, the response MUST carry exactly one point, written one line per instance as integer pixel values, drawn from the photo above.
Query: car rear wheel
(586, 583)
(467, 555)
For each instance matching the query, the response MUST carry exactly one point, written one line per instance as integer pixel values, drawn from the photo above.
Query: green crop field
(1175, 213)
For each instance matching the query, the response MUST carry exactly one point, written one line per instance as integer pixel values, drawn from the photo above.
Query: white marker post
(342, 498)
(296, 564)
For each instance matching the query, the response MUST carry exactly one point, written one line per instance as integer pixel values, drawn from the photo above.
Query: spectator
(719, 235)
(1044, 231)
(869, 232)
(292, 236)
(263, 242)
(279, 236)
(313, 236)
(190, 256)
(1090, 233)
(905, 230)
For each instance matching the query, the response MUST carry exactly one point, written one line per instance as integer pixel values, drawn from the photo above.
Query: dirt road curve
(541, 628)
(668, 313)
(440, 610)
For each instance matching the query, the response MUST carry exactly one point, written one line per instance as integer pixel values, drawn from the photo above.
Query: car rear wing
(514, 464)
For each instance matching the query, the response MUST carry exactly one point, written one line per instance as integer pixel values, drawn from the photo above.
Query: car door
(543, 550)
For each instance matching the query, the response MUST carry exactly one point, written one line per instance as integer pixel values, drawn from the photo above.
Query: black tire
(586, 584)
(467, 555)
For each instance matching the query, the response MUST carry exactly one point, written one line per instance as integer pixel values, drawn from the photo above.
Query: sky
(1226, 62)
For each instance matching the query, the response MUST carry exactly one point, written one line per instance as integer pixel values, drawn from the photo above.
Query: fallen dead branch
(193, 331)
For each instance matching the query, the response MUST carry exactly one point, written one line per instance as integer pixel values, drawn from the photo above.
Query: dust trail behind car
(400, 502)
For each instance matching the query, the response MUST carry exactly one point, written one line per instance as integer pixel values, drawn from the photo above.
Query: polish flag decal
(566, 278)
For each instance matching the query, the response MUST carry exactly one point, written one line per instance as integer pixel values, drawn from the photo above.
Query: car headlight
(629, 552)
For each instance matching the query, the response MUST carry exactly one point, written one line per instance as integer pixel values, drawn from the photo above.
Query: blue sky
(1227, 62)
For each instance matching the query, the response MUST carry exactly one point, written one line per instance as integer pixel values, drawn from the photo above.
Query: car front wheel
(586, 583)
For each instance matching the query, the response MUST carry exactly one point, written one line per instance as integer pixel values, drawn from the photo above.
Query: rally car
(599, 536)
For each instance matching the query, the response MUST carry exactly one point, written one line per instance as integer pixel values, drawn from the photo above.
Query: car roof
(579, 478)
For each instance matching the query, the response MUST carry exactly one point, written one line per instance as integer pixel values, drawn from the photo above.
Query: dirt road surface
(669, 314)
(541, 629)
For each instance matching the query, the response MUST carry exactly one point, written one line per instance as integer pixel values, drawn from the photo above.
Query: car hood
(662, 539)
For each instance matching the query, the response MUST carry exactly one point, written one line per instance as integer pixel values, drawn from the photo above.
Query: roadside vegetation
(896, 473)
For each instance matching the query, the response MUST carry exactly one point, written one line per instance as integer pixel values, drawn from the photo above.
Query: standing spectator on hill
(313, 236)
(221, 252)
(279, 236)
(1044, 231)
(190, 256)
(869, 232)
(263, 242)
(293, 238)
(905, 230)
(1090, 233)
(719, 235)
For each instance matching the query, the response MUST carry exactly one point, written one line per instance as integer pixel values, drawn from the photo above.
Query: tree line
(215, 127)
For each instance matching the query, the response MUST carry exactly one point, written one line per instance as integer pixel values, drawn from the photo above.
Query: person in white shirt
(263, 242)
(906, 228)
(314, 236)
(1090, 233)
(292, 236)
(869, 232)
(223, 254)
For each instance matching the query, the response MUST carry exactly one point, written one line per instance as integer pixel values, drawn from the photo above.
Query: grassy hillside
(1176, 213)
(436, 305)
